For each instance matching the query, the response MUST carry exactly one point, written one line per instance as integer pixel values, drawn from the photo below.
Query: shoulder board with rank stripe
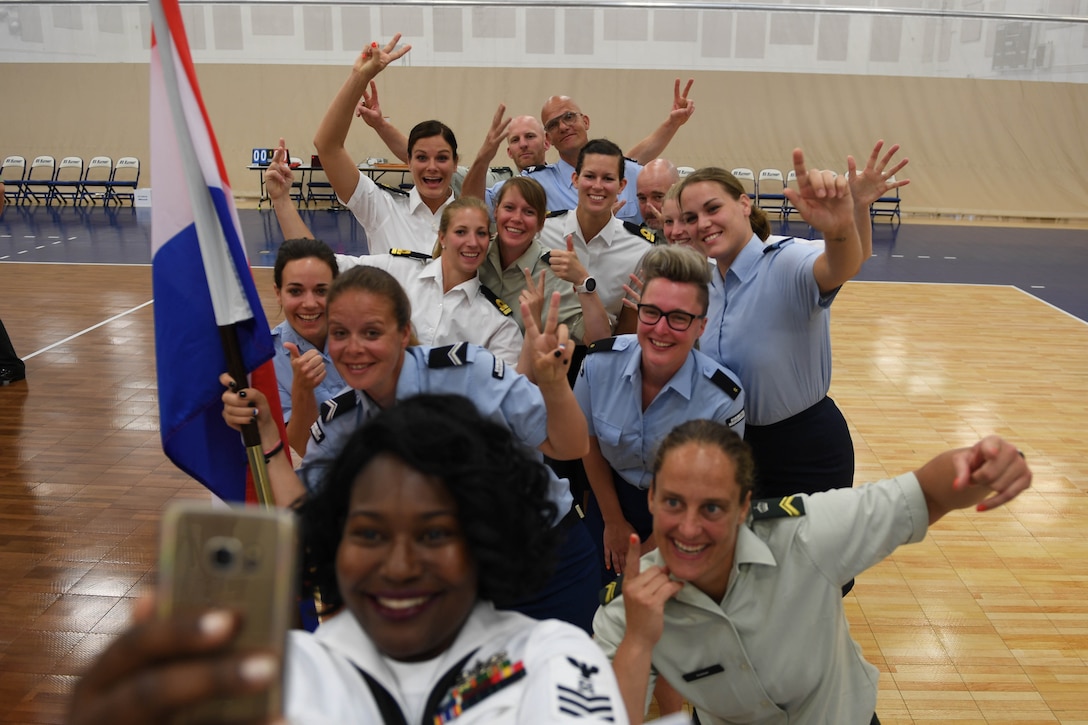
(639, 230)
(612, 590)
(533, 168)
(778, 508)
(495, 300)
(392, 189)
(604, 345)
(448, 356)
(558, 212)
(726, 383)
(410, 254)
(767, 248)
(339, 405)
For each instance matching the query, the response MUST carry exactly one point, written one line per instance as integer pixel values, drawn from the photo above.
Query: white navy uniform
(393, 218)
(470, 312)
(562, 194)
(777, 648)
(610, 257)
(547, 672)
(609, 391)
(285, 374)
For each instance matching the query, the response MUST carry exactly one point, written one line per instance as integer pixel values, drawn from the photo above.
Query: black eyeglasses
(567, 118)
(676, 319)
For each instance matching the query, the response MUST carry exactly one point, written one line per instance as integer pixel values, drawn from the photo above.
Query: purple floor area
(1050, 264)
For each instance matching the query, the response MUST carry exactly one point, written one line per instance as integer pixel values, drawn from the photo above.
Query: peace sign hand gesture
(374, 59)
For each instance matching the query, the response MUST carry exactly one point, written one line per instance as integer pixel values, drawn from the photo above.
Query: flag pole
(211, 244)
(251, 432)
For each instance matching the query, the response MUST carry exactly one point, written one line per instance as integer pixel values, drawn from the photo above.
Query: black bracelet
(275, 449)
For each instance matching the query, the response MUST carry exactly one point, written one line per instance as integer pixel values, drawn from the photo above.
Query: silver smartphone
(243, 559)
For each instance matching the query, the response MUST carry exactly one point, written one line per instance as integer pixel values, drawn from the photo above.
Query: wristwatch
(588, 286)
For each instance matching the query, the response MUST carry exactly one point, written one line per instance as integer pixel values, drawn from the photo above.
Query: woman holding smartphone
(428, 519)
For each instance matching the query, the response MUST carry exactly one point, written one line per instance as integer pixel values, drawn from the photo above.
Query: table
(374, 171)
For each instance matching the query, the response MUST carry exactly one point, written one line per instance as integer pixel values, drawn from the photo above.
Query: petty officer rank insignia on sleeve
(611, 590)
(330, 409)
(496, 300)
(778, 508)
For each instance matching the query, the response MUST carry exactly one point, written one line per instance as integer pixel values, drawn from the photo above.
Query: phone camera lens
(223, 557)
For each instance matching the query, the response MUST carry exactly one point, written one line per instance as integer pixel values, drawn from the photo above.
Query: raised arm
(370, 110)
(278, 178)
(333, 131)
(654, 145)
(868, 185)
(475, 183)
(986, 475)
(568, 435)
(824, 200)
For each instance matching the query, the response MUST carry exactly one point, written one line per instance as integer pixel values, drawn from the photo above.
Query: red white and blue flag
(200, 273)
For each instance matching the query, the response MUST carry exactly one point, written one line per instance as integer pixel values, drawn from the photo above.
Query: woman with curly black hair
(430, 517)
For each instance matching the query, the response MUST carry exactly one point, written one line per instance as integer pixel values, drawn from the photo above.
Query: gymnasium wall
(1007, 141)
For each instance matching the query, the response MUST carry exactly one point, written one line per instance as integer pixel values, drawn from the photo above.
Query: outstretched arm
(333, 131)
(654, 145)
(370, 110)
(475, 183)
(824, 200)
(986, 475)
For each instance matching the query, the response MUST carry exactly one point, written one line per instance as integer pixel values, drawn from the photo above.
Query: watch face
(590, 284)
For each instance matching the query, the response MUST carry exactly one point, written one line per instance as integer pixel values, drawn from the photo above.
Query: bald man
(655, 180)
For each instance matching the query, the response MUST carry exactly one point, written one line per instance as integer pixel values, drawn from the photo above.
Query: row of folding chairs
(45, 182)
(767, 192)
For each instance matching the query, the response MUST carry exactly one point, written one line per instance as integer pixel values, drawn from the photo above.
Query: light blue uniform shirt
(329, 387)
(562, 194)
(499, 393)
(768, 322)
(609, 389)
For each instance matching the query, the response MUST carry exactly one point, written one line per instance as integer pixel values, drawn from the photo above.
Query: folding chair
(125, 176)
(12, 173)
(96, 180)
(318, 187)
(748, 180)
(887, 205)
(296, 185)
(68, 183)
(788, 208)
(39, 179)
(771, 183)
(685, 171)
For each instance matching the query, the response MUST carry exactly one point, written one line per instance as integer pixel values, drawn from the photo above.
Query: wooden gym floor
(984, 622)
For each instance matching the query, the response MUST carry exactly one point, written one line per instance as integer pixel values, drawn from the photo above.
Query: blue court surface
(1048, 263)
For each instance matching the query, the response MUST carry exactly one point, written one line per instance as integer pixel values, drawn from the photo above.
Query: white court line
(89, 329)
